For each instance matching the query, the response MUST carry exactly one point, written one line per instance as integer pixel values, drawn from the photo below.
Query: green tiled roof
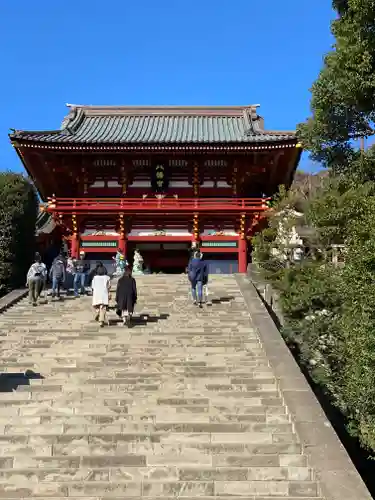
(158, 125)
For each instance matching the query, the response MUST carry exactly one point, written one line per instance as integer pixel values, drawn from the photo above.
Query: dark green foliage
(329, 310)
(18, 212)
(343, 96)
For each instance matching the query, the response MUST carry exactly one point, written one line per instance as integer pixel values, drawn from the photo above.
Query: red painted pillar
(74, 249)
(242, 255)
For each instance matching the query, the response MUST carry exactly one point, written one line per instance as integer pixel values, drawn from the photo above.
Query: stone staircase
(182, 405)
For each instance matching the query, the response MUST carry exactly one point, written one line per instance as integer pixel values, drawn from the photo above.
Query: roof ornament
(68, 118)
(251, 122)
(72, 120)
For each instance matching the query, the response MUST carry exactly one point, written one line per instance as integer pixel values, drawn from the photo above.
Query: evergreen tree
(18, 212)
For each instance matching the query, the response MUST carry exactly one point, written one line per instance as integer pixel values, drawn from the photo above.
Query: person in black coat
(126, 296)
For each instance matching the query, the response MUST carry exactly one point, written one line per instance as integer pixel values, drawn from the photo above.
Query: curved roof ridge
(164, 106)
(167, 110)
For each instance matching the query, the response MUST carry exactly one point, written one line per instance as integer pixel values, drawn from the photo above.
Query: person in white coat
(100, 294)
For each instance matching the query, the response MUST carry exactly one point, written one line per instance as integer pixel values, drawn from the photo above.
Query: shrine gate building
(162, 179)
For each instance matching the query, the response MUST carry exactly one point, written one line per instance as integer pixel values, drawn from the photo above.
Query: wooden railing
(153, 204)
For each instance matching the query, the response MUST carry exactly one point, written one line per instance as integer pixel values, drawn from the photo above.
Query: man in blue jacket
(198, 276)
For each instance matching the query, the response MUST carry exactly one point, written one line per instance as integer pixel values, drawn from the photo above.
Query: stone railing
(269, 297)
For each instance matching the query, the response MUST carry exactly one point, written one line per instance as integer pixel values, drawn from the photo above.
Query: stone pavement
(182, 405)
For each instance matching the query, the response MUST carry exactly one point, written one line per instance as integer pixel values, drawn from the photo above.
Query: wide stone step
(43, 451)
(85, 416)
(135, 468)
(52, 424)
(160, 488)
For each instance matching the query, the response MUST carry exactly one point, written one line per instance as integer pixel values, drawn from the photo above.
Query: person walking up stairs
(198, 277)
(126, 296)
(101, 284)
(57, 275)
(36, 277)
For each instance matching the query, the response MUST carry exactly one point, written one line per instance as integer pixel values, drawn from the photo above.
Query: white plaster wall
(179, 184)
(144, 184)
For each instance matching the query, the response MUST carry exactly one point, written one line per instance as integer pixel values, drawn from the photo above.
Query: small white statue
(137, 263)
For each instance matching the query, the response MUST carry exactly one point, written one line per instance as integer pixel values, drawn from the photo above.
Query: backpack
(38, 270)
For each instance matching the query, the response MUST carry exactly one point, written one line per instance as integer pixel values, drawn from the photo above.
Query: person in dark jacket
(57, 275)
(80, 273)
(198, 276)
(126, 296)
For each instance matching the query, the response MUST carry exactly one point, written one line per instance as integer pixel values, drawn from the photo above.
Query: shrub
(328, 311)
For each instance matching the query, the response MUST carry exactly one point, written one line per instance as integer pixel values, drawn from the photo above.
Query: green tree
(342, 104)
(328, 310)
(18, 212)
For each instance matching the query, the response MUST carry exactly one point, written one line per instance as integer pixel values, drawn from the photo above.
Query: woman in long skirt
(100, 294)
(126, 296)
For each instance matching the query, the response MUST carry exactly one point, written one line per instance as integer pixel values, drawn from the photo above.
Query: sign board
(219, 244)
(92, 244)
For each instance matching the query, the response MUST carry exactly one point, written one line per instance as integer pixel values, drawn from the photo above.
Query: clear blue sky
(158, 52)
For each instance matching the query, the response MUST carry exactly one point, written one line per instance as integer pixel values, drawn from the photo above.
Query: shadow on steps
(142, 320)
(10, 382)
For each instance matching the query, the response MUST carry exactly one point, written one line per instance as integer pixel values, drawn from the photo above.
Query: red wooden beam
(219, 250)
(160, 239)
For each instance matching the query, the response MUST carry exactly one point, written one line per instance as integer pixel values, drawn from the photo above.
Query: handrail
(154, 198)
(169, 201)
(157, 204)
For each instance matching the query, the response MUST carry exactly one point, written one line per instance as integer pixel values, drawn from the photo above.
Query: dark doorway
(169, 258)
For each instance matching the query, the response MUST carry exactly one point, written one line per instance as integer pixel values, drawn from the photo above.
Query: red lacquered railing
(151, 204)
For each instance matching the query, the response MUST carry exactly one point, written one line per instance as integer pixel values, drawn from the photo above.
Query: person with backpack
(57, 275)
(35, 280)
(198, 276)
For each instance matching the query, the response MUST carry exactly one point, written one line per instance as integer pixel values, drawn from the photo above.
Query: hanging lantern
(121, 224)
(196, 226)
(74, 223)
(242, 226)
